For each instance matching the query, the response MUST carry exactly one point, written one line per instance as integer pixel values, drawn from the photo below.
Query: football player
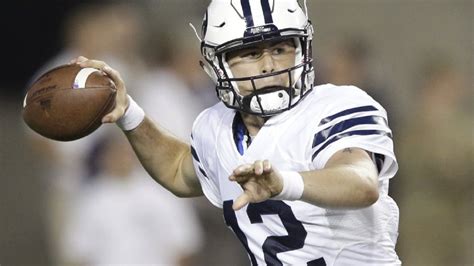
(301, 172)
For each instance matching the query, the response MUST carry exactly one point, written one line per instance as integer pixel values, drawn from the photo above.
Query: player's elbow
(180, 194)
(368, 188)
(185, 191)
(369, 195)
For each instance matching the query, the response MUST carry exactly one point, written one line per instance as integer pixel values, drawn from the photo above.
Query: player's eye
(282, 48)
(252, 54)
(279, 50)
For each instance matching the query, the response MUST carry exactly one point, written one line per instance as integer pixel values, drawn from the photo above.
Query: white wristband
(133, 117)
(293, 186)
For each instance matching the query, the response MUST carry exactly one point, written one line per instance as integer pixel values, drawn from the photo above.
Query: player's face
(264, 58)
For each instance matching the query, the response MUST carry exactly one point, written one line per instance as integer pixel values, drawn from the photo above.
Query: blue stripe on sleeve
(194, 153)
(202, 172)
(325, 134)
(195, 156)
(347, 112)
(347, 134)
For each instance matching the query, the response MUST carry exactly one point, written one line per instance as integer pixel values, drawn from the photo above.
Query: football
(68, 102)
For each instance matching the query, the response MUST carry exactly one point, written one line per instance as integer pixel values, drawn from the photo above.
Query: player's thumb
(113, 116)
(241, 201)
(121, 105)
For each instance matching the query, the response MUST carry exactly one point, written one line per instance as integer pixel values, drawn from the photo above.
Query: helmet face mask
(266, 100)
(269, 99)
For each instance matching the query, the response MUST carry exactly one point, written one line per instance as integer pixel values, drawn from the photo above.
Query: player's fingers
(82, 58)
(77, 60)
(267, 166)
(101, 65)
(258, 167)
(114, 75)
(244, 169)
(93, 64)
(121, 100)
(121, 105)
(241, 201)
(240, 178)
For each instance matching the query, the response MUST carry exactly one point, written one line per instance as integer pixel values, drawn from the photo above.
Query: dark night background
(31, 33)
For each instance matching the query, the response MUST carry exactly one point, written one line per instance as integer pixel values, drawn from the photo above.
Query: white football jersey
(276, 232)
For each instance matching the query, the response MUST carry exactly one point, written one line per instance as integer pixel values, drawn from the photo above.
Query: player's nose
(267, 63)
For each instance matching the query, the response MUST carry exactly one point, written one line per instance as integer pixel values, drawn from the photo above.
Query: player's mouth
(270, 87)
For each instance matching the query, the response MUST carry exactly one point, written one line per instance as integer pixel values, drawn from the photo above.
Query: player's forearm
(342, 186)
(163, 156)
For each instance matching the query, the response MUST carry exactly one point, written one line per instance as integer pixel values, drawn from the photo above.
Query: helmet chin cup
(269, 100)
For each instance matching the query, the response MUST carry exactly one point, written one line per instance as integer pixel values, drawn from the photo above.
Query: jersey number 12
(272, 244)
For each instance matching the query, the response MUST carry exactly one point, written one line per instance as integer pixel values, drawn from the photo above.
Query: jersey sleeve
(201, 147)
(354, 120)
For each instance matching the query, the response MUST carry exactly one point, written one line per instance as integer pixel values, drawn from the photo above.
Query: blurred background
(414, 57)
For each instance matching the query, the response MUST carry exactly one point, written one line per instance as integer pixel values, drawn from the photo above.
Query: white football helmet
(229, 25)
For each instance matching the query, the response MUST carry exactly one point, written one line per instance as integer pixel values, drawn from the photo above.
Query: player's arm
(167, 159)
(349, 180)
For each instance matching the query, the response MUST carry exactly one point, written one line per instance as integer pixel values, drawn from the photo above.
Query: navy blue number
(231, 220)
(273, 244)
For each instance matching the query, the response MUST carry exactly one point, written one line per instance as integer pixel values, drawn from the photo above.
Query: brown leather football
(68, 102)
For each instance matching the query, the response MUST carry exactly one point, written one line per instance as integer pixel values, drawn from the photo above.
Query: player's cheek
(245, 87)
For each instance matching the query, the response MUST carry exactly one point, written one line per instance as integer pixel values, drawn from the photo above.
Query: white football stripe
(24, 100)
(81, 77)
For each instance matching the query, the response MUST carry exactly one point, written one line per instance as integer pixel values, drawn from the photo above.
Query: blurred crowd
(98, 206)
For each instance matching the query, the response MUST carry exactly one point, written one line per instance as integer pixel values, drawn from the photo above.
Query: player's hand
(260, 181)
(121, 99)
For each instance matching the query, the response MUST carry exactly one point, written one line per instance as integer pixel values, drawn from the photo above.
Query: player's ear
(209, 71)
